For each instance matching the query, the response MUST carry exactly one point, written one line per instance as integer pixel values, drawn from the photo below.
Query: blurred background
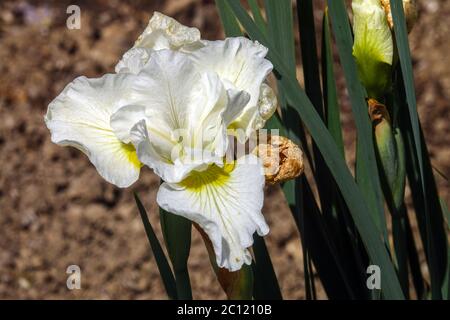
(55, 210)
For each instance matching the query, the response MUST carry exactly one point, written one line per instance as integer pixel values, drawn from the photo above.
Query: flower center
(214, 176)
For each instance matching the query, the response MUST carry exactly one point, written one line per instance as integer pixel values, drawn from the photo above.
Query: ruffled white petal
(241, 64)
(237, 101)
(162, 32)
(184, 112)
(226, 202)
(133, 60)
(80, 116)
(267, 103)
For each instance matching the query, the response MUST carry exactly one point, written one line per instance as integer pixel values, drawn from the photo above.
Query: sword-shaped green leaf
(161, 260)
(420, 173)
(177, 235)
(366, 167)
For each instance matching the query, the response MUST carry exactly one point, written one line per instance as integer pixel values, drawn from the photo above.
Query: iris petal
(226, 202)
(80, 116)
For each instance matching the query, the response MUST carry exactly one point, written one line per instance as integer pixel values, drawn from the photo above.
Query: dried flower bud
(410, 9)
(378, 112)
(282, 159)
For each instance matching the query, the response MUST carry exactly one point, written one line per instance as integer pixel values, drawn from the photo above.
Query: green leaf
(280, 31)
(430, 223)
(315, 240)
(401, 37)
(414, 263)
(353, 196)
(308, 48)
(341, 229)
(400, 247)
(280, 22)
(313, 90)
(293, 192)
(161, 260)
(275, 123)
(332, 209)
(446, 282)
(257, 16)
(435, 239)
(335, 211)
(229, 23)
(332, 270)
(266, 284)
(331, 102)
(177, 235)
(446, 211)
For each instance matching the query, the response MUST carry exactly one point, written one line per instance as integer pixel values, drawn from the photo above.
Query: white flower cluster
(172, 99)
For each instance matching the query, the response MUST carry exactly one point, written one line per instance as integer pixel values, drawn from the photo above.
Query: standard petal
(242, 65)
(149, 153)
(226, 202)
(162, 32)
(184, 113)
(80, 116)
(123, 120)
(171, 88)
(133, 60)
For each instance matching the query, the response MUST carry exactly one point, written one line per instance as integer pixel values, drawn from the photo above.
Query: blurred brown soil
(55, 210)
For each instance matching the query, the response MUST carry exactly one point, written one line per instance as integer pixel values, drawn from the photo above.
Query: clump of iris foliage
(344, 227)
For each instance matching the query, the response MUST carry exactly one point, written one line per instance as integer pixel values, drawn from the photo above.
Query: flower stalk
(391, 155)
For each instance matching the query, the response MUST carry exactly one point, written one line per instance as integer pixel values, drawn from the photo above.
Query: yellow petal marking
(214, 176)
(131, 154)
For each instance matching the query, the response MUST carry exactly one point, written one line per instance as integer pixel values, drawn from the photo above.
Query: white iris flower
(169, 106)
(180, 130)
